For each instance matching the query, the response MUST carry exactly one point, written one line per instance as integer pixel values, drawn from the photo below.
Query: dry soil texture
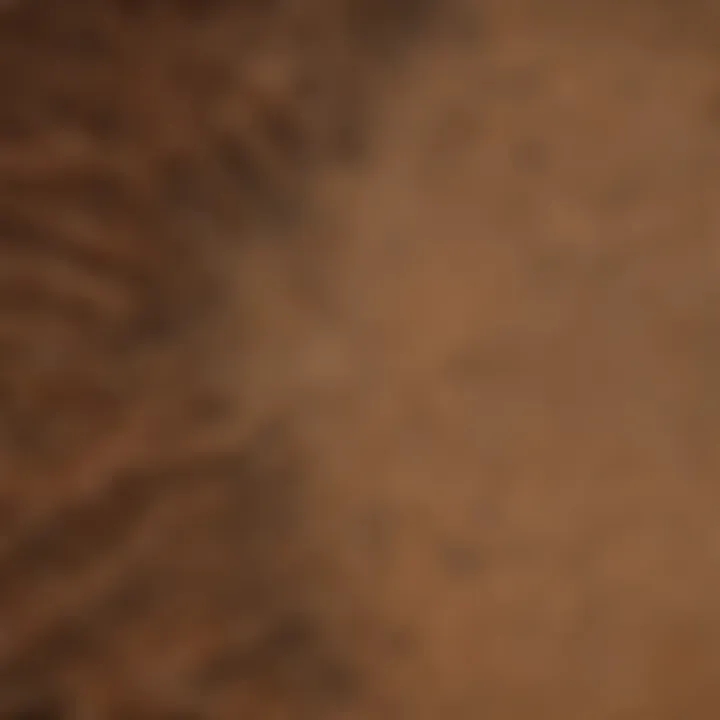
(493, 345)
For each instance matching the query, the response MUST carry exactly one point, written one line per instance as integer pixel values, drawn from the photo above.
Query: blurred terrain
(479, 366)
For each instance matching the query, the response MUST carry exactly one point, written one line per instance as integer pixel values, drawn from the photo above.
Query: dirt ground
(509, 401)
(494, 346)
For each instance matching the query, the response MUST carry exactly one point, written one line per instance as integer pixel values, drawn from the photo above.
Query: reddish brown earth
(488, 361)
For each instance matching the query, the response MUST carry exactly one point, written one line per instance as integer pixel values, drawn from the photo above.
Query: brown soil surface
(518, 450)
(494, 348)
